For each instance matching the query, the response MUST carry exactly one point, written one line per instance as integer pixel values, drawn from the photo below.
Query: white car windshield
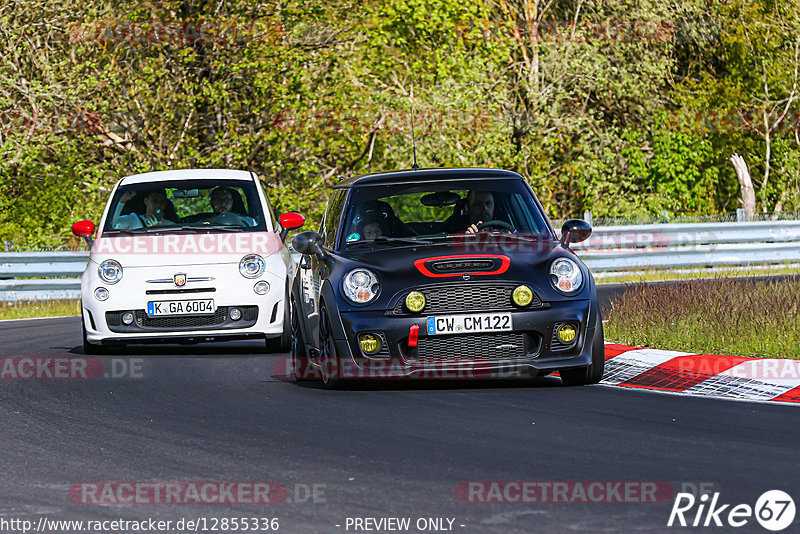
(186, 205)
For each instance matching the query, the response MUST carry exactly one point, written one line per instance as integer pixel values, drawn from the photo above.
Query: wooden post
(745, 185)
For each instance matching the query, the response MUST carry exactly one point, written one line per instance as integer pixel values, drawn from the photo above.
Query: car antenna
(413, 144)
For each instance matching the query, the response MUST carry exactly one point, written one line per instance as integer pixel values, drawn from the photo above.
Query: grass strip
(39, 308)
(726, 316)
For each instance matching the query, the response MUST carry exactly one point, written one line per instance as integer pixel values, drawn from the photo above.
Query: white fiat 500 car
(185, 256)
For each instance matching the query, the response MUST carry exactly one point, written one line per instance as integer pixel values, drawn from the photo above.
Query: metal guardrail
(613, 250)
(610, 251)
(41, 275)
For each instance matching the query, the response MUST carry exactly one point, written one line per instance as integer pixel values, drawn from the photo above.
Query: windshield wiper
(115, 232)
(193, 229)
(154, 229)
(383, 240)
(224, 228)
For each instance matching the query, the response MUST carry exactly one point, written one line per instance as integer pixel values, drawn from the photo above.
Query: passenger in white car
(155, 202)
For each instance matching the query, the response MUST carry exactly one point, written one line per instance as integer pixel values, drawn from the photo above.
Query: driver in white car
(222, 202)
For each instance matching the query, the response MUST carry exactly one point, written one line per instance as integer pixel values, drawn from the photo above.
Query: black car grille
(220, 318)
(436, 350)
(466, 297)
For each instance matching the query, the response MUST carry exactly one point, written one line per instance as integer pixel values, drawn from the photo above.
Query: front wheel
(282, 343)
(329, 359)
(593, 373)
(300, 364)
(88, 348)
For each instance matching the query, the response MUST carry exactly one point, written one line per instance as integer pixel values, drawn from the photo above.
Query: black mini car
(448, 273)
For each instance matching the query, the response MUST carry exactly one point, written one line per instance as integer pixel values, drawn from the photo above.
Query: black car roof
(426, 175)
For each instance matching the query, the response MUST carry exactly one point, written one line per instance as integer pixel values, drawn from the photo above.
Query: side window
(270, 212)
(333, 214)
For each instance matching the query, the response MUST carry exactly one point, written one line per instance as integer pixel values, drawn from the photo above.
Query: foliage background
(620, 107)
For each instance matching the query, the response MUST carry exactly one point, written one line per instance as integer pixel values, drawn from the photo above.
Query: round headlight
(261, 287)
(415, 301)
(565, 275)
(522, 296)
(101, 293)
(361, 286)
(252, 266)
(110, 272)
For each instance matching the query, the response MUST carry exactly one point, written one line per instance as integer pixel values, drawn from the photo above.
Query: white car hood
(184, 249)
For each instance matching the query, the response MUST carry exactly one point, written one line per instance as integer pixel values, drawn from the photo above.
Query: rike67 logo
(774, 510)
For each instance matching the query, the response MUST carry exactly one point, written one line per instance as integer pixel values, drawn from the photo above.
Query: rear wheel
(593, 373)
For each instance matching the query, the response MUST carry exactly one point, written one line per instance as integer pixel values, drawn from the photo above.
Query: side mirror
(290, 221)
(309, 243)
(575, 231)
(84, 229)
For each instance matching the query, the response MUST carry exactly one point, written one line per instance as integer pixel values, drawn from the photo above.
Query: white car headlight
(361, 286)
(110, 271)
(252, 266)
(565, 275)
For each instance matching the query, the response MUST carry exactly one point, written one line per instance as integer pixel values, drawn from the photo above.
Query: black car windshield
(186, 206)
(381, 215)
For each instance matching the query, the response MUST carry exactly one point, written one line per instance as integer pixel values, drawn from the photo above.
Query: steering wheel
(228, 218)
(496, 224)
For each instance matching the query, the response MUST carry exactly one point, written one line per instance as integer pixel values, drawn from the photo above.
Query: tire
(282, 343)
(300, 363)
(593, 373)
(329, 359)
(88, 348)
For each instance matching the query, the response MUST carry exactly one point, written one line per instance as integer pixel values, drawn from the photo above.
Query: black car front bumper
(530, 347)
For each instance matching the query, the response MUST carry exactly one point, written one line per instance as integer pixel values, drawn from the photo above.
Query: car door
(314, 271)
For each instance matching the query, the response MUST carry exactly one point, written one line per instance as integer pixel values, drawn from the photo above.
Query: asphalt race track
(217, 413)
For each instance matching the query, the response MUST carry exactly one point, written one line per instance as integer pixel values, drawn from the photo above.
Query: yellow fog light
(370, 344)
(522, 296)
(415, 301)
(566, 333)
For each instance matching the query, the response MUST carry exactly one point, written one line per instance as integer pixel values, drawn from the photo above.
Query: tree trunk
(746, 186)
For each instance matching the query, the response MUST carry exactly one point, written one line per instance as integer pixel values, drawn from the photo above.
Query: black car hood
(402, 267)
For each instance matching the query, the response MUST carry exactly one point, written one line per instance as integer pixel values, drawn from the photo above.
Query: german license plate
(469, 324)
(181, 307)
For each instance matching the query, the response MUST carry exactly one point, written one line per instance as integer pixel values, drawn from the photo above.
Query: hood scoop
(443, 266)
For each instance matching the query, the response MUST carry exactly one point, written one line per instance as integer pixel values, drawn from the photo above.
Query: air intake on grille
(435, 350)
(219, 319)
(467, 265)
(467, 297)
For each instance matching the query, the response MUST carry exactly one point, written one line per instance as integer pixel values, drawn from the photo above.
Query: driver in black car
(479, 208)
